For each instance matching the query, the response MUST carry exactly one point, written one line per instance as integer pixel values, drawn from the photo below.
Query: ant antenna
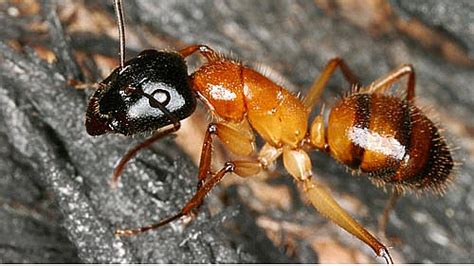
(121, 29)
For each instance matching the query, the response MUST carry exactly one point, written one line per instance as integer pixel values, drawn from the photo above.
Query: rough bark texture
(56, 204)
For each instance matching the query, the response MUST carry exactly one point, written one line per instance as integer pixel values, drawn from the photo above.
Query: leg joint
(335, 60)
(176, 125)
(408, 67)
(212, 128)
(229, 167)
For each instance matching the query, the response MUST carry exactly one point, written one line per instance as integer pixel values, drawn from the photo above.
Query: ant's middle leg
(314, 93)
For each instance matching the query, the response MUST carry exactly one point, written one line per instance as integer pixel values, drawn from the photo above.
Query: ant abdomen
(389, 139)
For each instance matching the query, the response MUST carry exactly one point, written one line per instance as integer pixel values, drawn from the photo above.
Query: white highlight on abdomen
(373, 141)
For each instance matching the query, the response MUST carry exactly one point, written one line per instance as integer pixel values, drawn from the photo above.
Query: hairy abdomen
(389, 139)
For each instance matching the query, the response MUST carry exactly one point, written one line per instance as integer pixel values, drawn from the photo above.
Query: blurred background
(56, 203)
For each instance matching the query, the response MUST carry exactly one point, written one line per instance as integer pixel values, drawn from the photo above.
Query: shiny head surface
(131, 99)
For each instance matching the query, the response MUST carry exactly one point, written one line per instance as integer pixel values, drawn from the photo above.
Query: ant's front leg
(204, 50)
(238, 167)
(208, 181)
(133, 151)
(238, 138)
(79, 85)
(176, 125)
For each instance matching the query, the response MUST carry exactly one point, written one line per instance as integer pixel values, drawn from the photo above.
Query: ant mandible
(384, 136)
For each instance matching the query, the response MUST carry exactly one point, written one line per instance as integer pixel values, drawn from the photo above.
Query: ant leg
(388, 80)
(239, 167)
(239, 141)
(319, 84)
(383, 220)
(79, 85)
(298, 164)
(204, 50)
(317, 134)
(133, 151)
(322, 200)
(232, 138)
(206, 155)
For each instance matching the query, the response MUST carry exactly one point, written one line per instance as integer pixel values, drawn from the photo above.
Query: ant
(384, 136)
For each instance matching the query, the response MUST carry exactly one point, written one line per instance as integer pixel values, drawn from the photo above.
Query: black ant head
(151, 91)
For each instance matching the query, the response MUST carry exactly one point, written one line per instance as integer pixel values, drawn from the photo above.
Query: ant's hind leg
(390, 205)
(323, 201)
(314, 93)
(385, 82)
(298, 164)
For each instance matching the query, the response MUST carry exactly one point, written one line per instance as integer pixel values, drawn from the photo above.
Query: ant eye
(162, 96)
